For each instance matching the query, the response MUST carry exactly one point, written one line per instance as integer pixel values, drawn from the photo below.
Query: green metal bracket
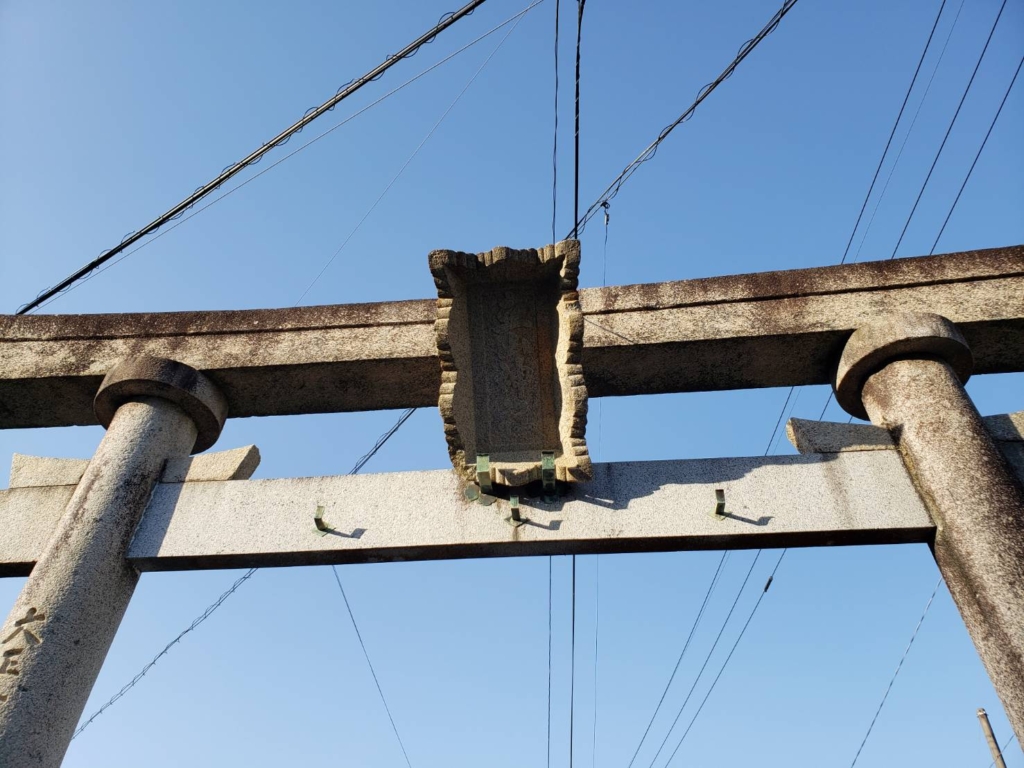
(483, 472)
(547, 475)
(720, 503)
(517, 517)
(318, 519)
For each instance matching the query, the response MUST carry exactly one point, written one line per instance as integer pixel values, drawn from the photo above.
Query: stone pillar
(55, 639)
(906, 373)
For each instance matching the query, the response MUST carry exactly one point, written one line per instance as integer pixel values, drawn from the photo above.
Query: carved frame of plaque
(510, 340)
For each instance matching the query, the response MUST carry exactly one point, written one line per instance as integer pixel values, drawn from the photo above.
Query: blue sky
(112, 112)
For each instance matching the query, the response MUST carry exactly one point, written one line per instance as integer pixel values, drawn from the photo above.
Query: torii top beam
(744, 331)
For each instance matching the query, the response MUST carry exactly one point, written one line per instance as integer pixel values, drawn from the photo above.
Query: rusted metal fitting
(904, 336)
(169, 380)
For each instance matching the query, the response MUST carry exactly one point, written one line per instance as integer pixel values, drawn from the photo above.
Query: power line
(550, 580)
(253, 157)
(369, 663)
(597, 635)
(892, 133)
(899, 666)
(576, 164)
(689, 637)
(732, 650)
(572, 663)
(613, 189)
(226, 594)
(980, 150)
(910, 131)
(707, 658)
(949, 130)
(1008, 742)
(295, 151)
(554, 149)
(415, 152)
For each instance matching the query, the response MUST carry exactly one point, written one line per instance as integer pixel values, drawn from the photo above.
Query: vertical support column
(906, 373)
(60, 629)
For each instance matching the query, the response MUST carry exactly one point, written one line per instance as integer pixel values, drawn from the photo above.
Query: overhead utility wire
(909, 133)
(576, 164)
(572, 663)
(597, 635)
(707, 659)
(729, 657)
(296, 151)
(980, 150)
(227, 593)
(949, 130)
(745, 50)
(446, 21)
(412, 157)
(369, 663)
(899, 666)
(892, 133)
(554, 148)
(881, 162)
(679, 661)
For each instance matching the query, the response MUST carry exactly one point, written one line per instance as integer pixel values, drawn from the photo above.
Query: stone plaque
(510, 338)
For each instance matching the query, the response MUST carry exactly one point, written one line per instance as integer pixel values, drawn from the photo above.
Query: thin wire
(1009, 741)
(980, 150)
(369, 663)
(613, 189)
(949, 130)
(576, 164)
(604, 283)
(550, 566)
(253, 157)
(294, 152)
(689, 637)
(410, 159)
(732, 650)
(554, 150)
(597, 635)
(909, 133)
(166, 649)
(572, 664)
(225, 595)
(899, 666)
(892, 133)
(707, 658)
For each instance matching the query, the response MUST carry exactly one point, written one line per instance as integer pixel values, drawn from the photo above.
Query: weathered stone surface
(236, 464)
(761, 330)
(809, 436)
(850, 498)
(170, 380)
(31, 471)
(509, 339)
(969, 487)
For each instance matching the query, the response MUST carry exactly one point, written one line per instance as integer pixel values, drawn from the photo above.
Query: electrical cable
(294, 152)
(895, 125)
(909, 133)
(369, 663)
(975, 161)
(707, 658)
(576, 164)
(572, 664)
(253, 157)
(899, 666)
(732, 650)
(679, 661)
(225, 595)
(613, 189)
(550, 567)
(597, 635)
(554, 150)
(949, 130)
(1009, 741)
(415, 152)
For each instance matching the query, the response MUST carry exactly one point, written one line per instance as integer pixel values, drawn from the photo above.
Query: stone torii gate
(509, 333)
